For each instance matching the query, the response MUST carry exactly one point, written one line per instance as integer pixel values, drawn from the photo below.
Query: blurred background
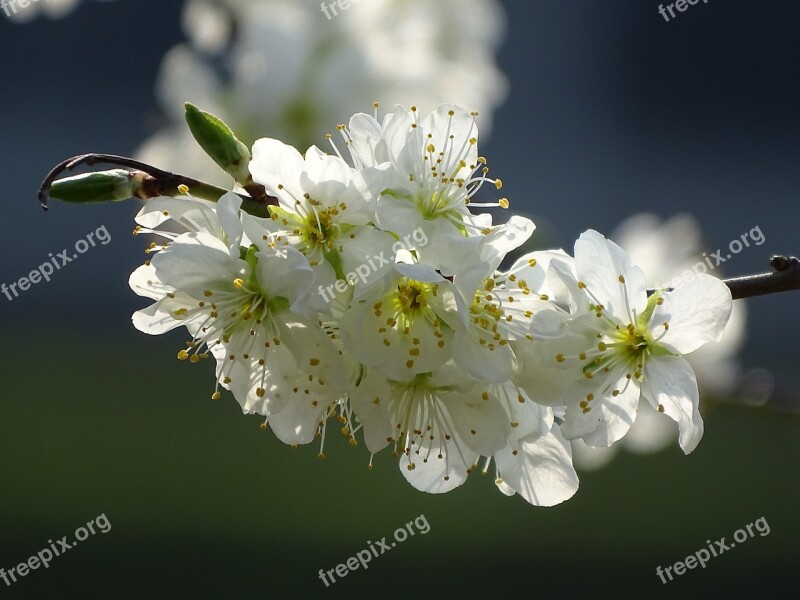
(609, 111)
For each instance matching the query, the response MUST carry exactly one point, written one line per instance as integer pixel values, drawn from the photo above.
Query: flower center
(319, 228)
(632, 341)
(411, 297)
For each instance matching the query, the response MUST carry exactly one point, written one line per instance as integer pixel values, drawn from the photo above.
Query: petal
(600, 264)
(191, 215)
(228, 215)
(670, 387)
(540, 471)
(608, 417)
(697, 311)
(277, 166)
(196, 260)
(437, 475)
(317, 358)
(370, 401)
(285, 273)
(533, 268)
(488, 361)
(298, 422)
(479, 420)
(480, 260)
(155, 320)
(365, 133)
(367, 254)
(145, 282)
(449, 127)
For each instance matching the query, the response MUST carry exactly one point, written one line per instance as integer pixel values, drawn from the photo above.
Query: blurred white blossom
(281, 68)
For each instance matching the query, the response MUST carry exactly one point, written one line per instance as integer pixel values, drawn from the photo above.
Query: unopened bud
(219, 142)
(104, 186)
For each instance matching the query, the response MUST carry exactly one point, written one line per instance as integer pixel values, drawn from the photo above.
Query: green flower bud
(219, 142)
(104, 186)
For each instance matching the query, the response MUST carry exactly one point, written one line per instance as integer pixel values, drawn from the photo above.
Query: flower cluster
(374, 294)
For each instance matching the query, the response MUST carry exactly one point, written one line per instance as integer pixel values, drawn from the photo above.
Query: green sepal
(332, 256)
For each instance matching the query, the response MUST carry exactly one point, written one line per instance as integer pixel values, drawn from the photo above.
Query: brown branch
(784, 277)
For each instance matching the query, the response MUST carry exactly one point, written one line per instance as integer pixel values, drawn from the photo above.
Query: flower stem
(154, 182)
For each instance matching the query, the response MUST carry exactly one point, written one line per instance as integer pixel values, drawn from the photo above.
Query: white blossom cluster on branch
(374, 300)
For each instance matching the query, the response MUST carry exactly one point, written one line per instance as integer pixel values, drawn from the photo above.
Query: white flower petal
(277, 166)
(609, 417)
(669, 383)
(370, 401)
(540, 471)
(696, 311)
(600, 263)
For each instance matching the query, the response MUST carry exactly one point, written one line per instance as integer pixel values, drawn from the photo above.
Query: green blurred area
(203, 503)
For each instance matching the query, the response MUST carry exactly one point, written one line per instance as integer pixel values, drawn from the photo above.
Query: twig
(784, 277)
(157, 182)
